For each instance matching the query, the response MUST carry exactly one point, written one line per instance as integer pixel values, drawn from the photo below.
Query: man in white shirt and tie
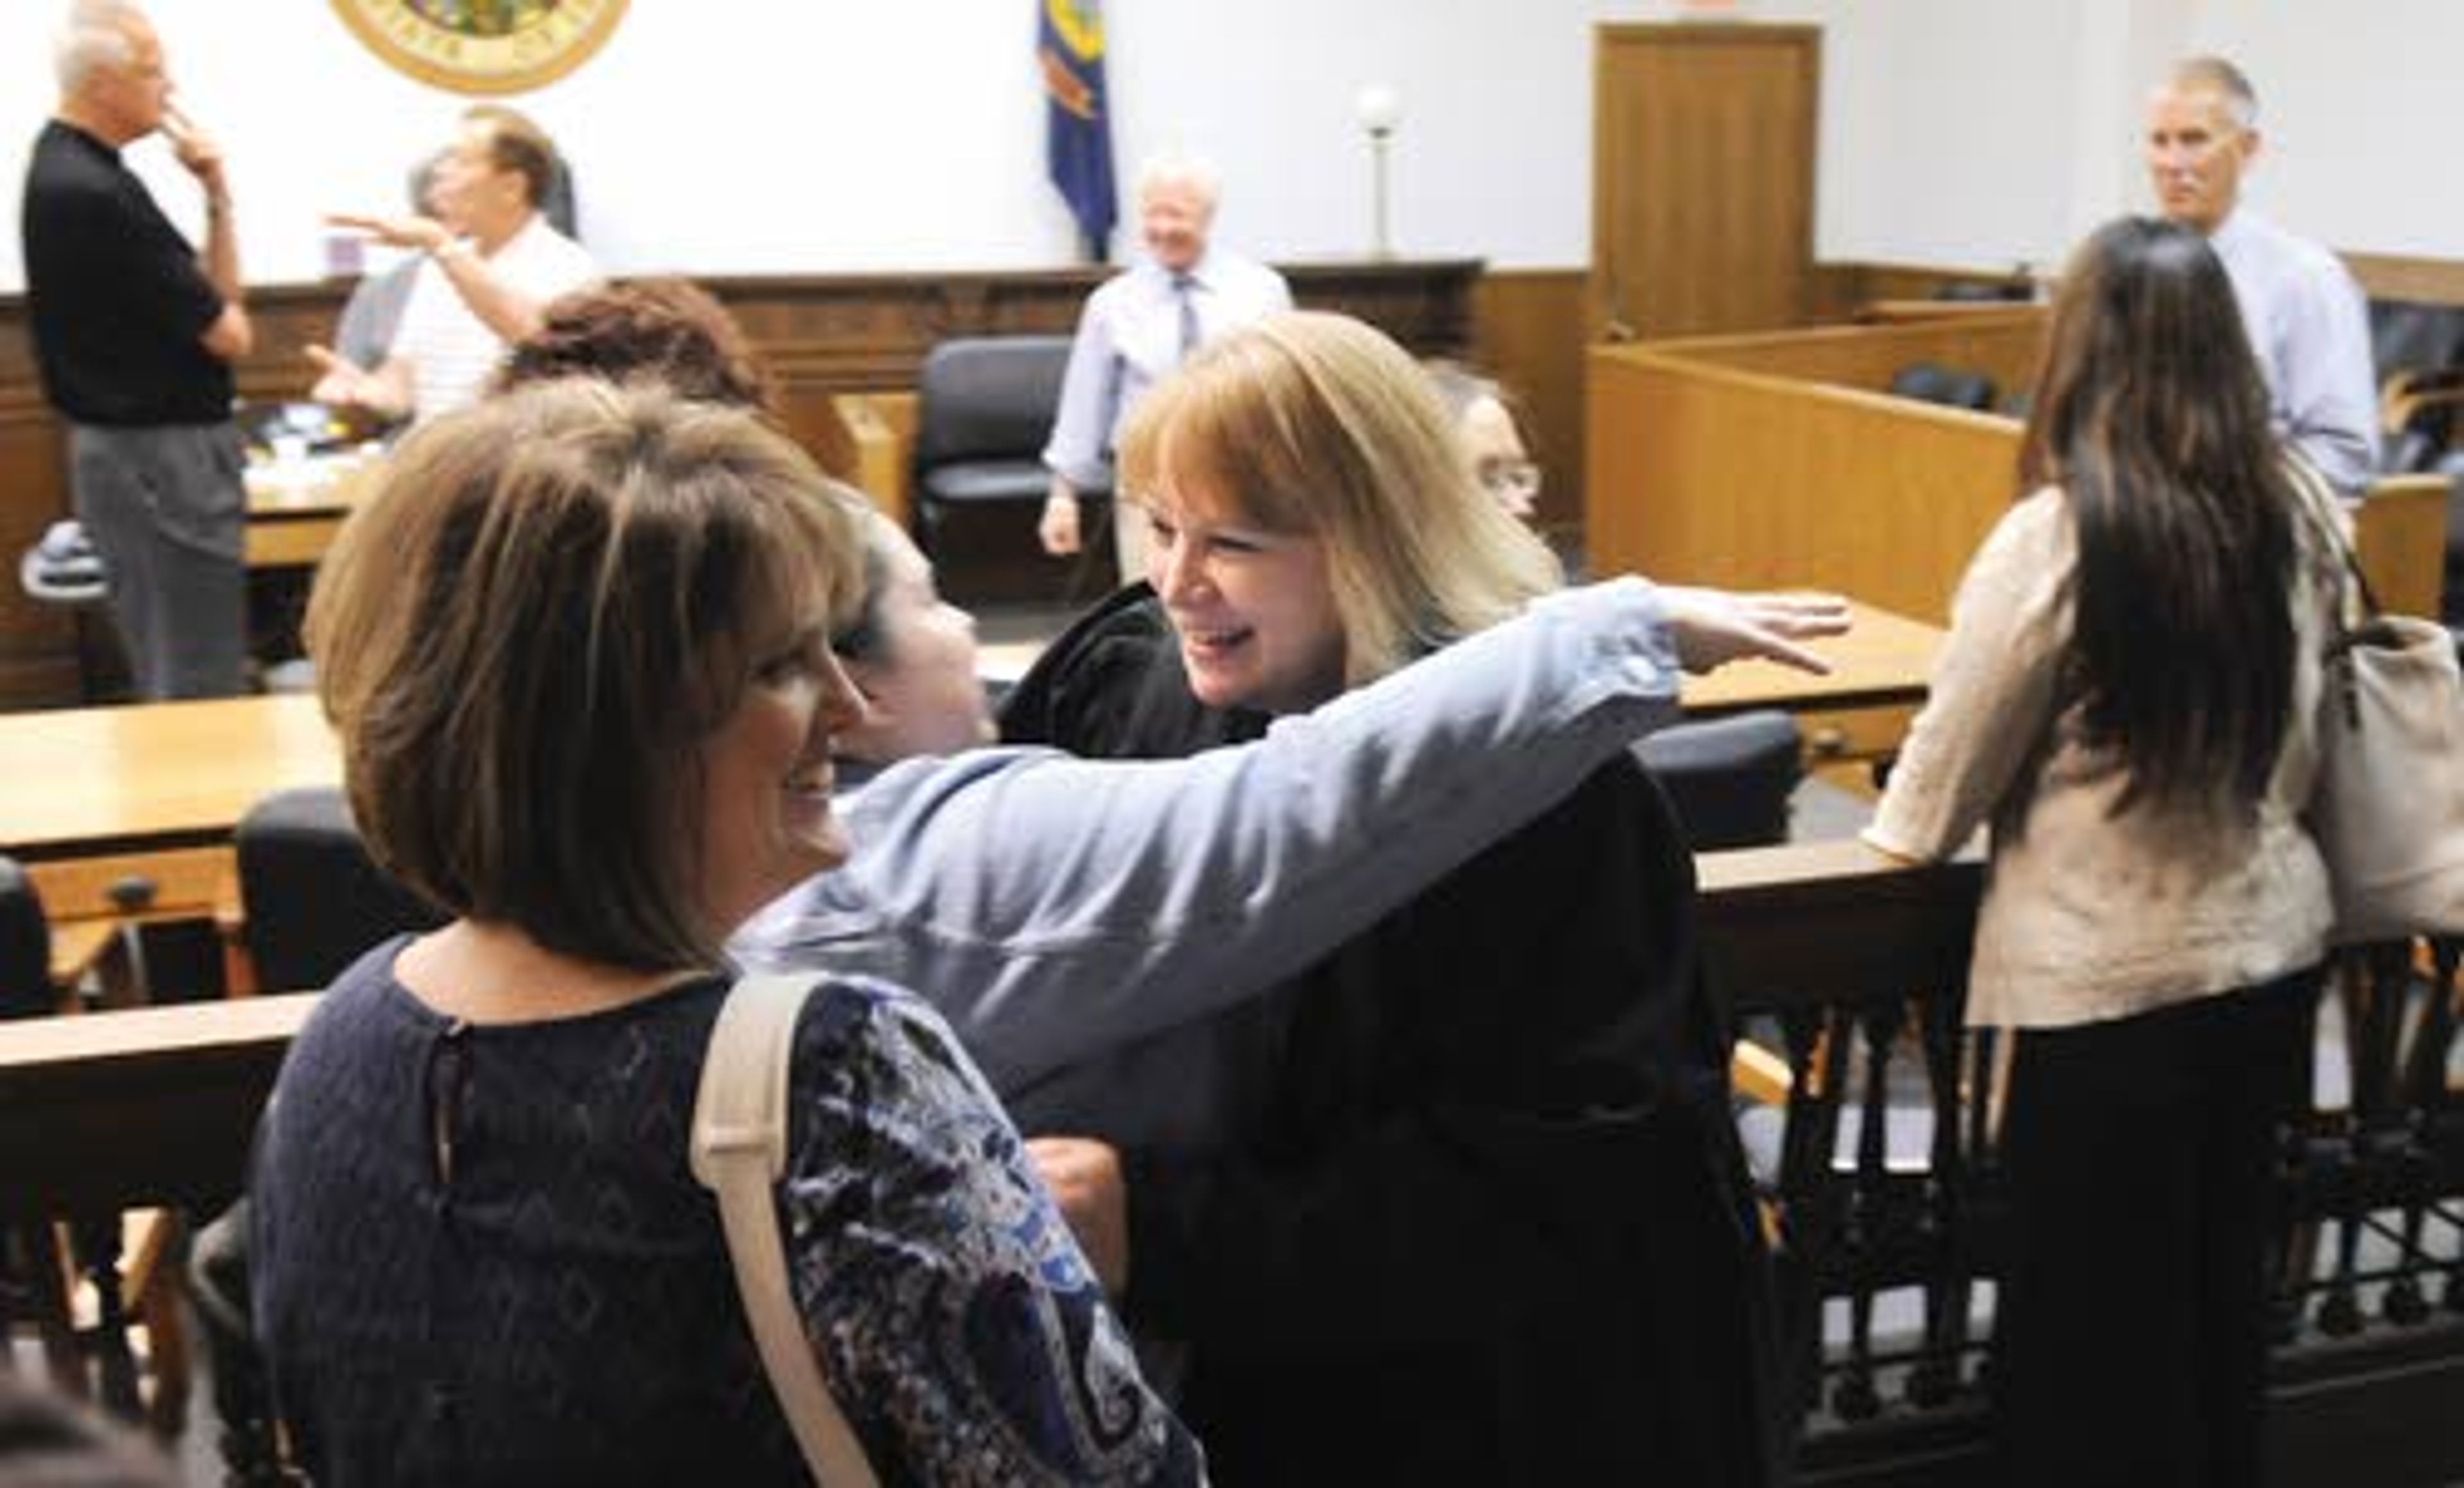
(1139, 326)
(2305, 315)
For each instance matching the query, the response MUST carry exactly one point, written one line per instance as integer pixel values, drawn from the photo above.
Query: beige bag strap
(2355, 601)
(740, 1149)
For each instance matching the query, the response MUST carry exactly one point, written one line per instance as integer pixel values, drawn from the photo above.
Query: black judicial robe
(1490, 1223)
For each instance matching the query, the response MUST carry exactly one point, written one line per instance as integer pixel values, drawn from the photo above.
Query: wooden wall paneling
(1839, 290)
(821, 335)
(39, 642)
(856, 333)
(1832, 291)
(1528, 331)
(1427, 306)
(860, 333)
(2430, 281)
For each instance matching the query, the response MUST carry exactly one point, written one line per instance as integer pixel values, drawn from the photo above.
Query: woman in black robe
(1465, 1204)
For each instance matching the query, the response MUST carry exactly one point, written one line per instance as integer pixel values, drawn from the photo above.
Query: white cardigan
(2089, 916)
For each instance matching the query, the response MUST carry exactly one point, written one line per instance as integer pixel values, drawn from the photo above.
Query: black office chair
(2018, 290)
(984, 407)
(2411, 336)
(25, 947)
(1730, 779)
(2451, 603)
(1929, 382)
(312, 899)
(2417, 409)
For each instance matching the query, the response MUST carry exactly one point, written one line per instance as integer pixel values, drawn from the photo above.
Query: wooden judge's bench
(823, 337)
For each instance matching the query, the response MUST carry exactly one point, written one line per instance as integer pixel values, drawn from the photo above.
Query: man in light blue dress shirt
(2306, 317)
(1136, 327)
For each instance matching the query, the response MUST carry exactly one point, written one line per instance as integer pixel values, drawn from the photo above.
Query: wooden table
(105, 799)
(140, 1106)
(295, 510)
(1857, 713)
(1007, 661)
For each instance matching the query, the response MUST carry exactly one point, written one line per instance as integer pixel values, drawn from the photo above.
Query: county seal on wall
(483, 46)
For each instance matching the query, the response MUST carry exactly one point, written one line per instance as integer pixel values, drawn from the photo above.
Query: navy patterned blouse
(480, 1256)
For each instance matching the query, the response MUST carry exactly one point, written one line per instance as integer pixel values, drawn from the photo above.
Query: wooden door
(1702, 178)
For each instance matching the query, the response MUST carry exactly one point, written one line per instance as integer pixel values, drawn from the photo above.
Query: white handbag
(2389, 811)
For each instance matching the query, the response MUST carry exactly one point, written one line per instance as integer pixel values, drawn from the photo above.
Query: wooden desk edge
(132, 1037)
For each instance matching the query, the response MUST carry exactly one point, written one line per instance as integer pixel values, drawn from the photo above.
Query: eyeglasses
(1516, 480)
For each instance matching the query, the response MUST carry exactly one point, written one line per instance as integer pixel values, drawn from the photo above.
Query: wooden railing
(1780, 459)
(1880, 1175)
(1854, 969)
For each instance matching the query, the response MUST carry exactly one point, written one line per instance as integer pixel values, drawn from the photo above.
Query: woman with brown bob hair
(1461, 1203)
(2130, 698)
(576, 647)
(664, 332)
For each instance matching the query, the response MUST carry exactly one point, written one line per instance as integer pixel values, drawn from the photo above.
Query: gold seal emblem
(483, 46)
(1079, 26)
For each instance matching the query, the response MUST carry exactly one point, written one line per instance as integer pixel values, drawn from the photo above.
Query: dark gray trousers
(166, 510)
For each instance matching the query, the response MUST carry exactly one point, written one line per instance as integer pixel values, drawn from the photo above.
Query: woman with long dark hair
(2128, 698)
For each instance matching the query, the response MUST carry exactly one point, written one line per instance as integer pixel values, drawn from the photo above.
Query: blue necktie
(1185, 289)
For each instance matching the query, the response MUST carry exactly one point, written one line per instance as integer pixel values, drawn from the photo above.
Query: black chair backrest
(25, 947)
(988, 397)
(1730, 779)
(1929, 382)
(2411, 336)
(314, 900)
(1971, 291)
(559, 204)
(2452, 595)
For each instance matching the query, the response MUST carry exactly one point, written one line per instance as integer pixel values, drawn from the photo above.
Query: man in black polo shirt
(134, 332)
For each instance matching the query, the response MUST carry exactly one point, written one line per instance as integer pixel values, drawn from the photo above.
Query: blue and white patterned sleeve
(963, 1333)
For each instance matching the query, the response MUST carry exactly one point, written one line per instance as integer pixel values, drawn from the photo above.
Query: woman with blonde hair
(1463, 1203)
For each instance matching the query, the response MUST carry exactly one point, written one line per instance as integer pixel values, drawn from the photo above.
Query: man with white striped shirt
(493, 262)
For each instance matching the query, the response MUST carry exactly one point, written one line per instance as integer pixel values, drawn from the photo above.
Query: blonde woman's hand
(1711, 627)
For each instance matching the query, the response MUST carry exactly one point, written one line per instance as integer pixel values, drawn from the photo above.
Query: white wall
(786, 136)
(2353, 116)
(1958, 115)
